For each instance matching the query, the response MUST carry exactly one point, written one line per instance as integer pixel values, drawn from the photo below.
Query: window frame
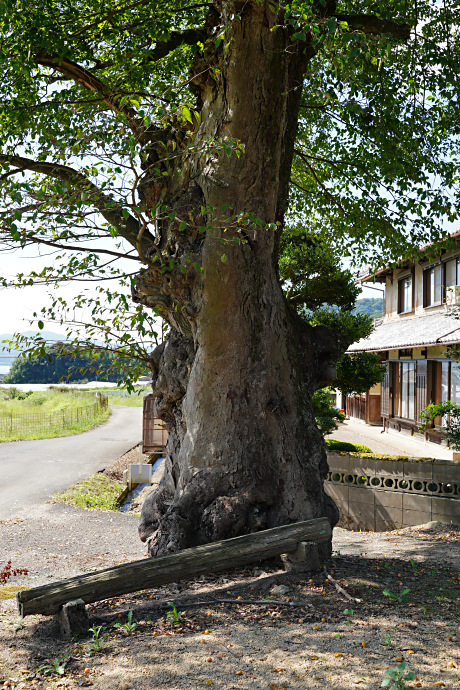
(457, 275)
(427, 284)
(402, 308)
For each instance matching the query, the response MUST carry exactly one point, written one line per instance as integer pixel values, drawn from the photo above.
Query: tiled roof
(438, 328)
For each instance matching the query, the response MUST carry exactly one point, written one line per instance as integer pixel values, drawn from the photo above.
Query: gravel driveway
(251, 644)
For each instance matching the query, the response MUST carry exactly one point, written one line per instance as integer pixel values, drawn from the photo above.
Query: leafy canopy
(86, 87)
(323, 292)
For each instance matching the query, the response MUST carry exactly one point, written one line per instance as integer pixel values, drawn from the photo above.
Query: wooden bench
(297, 540)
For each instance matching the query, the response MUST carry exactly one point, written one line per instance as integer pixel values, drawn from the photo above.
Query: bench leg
(304, 559)
(73, 618)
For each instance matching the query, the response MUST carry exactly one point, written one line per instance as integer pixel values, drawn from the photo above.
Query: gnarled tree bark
(235, 378)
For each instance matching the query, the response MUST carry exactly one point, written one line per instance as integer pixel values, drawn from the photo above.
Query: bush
(448, 413)
(326, 416)
(332, 444)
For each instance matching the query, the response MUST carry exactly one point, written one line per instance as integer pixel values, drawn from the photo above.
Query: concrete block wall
(378, 495)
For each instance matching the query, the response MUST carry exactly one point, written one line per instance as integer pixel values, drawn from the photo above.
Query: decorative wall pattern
(395, 483)
(380, 495)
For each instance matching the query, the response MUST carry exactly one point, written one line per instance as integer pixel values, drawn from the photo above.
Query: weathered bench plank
(154, 572)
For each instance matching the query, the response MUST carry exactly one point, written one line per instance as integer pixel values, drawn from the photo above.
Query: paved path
(388, 442)
(31, 471)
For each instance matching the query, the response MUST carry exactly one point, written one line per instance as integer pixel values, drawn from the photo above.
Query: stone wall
(382, 494)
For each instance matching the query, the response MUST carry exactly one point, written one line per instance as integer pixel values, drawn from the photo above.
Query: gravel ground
(253, 628)
(260, 637)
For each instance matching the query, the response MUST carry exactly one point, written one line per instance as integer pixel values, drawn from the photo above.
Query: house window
(455, 382)
(452, 281)
(432, 286)
(407, 389)
(405, 295)
(452, 272)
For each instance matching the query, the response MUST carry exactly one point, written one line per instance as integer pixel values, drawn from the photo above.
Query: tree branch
(369, 24)
(70, 248)
(320, 183)
(128, 228)
(176, 38)
(125, 8)
(71, 70)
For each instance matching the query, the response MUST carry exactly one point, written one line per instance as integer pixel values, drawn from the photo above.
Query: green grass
(48, 414)
(94, 493)
(338, 446)
(133, 400)
(10, 591)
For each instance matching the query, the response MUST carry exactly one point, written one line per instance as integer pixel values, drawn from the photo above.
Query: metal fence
(12, 424)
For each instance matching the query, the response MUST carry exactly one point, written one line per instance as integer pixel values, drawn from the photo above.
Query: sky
(18, 305)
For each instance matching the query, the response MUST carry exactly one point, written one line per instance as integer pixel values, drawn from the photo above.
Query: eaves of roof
(438, 328)
(379, 275)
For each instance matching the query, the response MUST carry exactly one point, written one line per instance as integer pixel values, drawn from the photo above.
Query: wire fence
(13, 424)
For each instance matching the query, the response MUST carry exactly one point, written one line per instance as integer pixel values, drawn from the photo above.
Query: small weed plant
(98, 641)
(174, 616)
(401, 598)
(56, 667)
(349, 613)
(387, 641)
(395, 678)
(93, 493)
(7, 571)
(129, 626)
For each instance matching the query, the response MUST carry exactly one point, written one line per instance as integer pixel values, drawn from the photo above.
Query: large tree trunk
(235, 378)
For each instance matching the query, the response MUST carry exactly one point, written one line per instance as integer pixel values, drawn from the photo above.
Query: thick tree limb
(71, 70)
(188, 37)
(370, 24)
(128, 228)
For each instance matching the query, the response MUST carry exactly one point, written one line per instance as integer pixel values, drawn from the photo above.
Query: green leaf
(223, 258)
(182, 226)
(186, 114)
(299, 36)
(332, 25)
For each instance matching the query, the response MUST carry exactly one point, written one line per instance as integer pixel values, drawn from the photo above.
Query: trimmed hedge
(335, 445)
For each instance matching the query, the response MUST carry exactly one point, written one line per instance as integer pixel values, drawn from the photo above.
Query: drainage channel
(131, 497)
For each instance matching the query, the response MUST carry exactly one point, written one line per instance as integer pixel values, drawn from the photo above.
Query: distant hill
(373, 306)
(46, 335)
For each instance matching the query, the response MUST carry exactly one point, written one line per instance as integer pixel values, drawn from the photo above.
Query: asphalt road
(32, 471)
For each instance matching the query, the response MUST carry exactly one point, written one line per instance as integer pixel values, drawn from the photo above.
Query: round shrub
(333, 444)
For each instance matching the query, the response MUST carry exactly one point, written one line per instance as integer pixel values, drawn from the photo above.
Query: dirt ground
(252, 628)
